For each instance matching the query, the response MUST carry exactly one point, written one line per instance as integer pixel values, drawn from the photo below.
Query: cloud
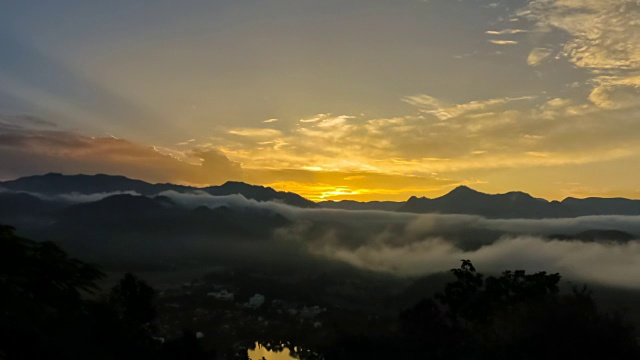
(603, 39)
(609, 264)
(259, 133)
(316, 118)
(420, 244)
(503, 42)
(441, 142)
(538, 55)
(413, 244)
(188, 142)
(616, 92)
(268, 121)
(68, 152)
(506, 32)
(446, 111)
(604, 34)
(425, 244)
(77, 198)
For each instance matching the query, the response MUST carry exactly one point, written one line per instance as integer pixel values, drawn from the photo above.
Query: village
(225, 308)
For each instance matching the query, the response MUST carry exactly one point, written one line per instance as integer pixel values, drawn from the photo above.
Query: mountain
(602, 206)
(57, 184)
(114, 208)
(464, 200)
(259, 193)
(135, 227)
(25, 210)
(20, 203)
(356, 205)
(461, 200)
(158, 215)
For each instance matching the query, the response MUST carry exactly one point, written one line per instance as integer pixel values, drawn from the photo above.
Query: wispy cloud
(604, 39)
(538, 55)
(503, 42)
(256, 132)
(604, 34)
(506, 32)
(188, 142)
(446, 111)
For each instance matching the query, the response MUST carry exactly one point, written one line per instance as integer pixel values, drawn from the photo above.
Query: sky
(335, 99)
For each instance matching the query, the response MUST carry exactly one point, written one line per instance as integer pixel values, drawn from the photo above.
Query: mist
(406, 244)
(414, 245)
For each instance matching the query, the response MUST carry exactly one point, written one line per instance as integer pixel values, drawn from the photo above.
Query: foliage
(41, 296)
(51, 306)
(133, 299)
(514, 316)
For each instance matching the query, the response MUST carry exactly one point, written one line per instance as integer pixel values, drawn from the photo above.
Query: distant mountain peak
(463, 188)
(462, 191)
(239, 183)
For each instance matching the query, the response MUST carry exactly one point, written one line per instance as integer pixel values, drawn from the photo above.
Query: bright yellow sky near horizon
(363, 100)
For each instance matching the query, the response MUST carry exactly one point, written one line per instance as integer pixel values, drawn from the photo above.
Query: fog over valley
(126, 226)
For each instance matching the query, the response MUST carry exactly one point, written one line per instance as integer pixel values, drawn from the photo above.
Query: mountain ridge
(518, 204)
(57, 184)
(460, 200)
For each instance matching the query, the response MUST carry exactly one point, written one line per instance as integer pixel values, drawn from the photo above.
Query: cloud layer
(411, 244)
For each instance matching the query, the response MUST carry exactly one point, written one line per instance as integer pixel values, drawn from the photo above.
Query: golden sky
(365, 100)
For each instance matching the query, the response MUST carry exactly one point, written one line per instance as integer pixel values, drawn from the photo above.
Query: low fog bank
(399, 243)
(70, 198)
(414, 245)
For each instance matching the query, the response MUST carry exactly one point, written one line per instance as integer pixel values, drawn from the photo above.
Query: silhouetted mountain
(18, 203)
(27, 211)
(115, 208)
(602, 206)
(129, 227)
(259, 193)
(231, 222)
(56, 184)
(463, 200)
(356, 205)
(159, 214)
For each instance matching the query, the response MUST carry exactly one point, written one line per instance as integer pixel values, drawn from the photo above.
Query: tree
(134, 301)
(515, 316)
(50, 305)
(42, 298)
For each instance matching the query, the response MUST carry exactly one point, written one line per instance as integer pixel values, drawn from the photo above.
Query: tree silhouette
(514, 316)
(133, 299)
(41, 297)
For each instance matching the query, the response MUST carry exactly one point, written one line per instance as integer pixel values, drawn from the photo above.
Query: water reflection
(276, 353)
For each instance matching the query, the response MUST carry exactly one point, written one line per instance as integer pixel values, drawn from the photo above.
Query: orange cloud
(32, 151)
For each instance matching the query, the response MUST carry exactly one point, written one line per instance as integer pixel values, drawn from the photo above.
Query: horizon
(365, 100)
(319, 200)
